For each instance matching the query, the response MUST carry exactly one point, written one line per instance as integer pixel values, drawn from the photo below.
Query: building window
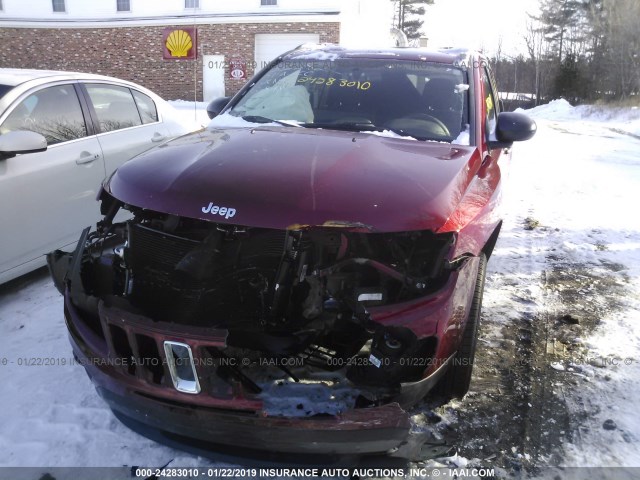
(191, 3)
(58, 6)
(268, 2)
(123, 5)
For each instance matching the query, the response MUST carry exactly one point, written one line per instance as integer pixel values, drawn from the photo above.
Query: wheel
(457, 379)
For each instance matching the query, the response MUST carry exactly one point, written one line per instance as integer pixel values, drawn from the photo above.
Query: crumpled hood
(277, 177)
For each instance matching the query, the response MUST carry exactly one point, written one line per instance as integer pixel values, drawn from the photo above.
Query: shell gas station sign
(180, 43)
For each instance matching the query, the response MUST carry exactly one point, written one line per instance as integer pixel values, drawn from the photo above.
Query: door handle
(158, 137)
(87, 157)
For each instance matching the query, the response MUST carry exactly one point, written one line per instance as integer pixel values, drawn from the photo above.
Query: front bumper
(358, 431)
(380, 430)
(237, 420)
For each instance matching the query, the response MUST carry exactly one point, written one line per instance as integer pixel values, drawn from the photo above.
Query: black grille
(229, 287)
(153, 249)
(157, 288)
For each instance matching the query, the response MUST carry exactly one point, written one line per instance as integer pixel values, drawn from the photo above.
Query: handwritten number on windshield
(334, 81)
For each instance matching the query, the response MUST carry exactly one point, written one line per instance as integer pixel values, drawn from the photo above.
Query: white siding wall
(92, 9)
(364, 23)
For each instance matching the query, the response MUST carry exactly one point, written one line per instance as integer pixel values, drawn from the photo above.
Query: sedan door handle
(87, 157)
(158, 137)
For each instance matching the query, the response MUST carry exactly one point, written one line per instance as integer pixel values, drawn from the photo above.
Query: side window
(490, 105)
(114, 106)
(53, 112)
(146, 106)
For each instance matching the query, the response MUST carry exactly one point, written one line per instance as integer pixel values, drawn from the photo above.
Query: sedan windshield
(426, 101)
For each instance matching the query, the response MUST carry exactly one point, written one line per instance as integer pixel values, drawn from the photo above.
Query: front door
(47, 198)
(213, 77)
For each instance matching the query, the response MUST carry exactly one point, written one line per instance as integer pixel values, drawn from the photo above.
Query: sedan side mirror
(513, 127)
(216, 106)
(19, 142)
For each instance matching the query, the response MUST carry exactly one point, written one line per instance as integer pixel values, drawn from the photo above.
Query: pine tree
(561, 19)
(405, 15)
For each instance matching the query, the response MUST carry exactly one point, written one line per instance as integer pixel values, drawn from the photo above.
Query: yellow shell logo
(179, 43)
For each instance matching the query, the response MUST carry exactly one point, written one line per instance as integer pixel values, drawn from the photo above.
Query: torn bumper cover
(381, 430)
(362, 431)
(316, 350)
(232, 422)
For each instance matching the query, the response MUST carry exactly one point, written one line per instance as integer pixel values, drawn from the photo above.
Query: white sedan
(61, 134)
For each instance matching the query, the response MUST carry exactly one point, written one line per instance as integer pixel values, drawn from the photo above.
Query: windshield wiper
(348, 126)
(357, 127)
(261, 119)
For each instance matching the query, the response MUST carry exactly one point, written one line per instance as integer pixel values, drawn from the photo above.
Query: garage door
(269, 46)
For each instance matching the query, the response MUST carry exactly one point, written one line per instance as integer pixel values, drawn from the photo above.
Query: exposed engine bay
(303, 293)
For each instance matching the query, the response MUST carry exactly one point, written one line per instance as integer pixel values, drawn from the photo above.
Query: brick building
(127, 38)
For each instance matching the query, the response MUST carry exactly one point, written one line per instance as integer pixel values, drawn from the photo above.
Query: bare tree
(623, 44)
(498, 56)
(580, 49)
(534, 40)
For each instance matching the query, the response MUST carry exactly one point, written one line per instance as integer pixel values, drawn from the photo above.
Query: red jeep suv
(298, 274)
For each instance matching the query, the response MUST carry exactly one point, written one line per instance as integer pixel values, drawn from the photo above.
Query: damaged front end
(223, 332)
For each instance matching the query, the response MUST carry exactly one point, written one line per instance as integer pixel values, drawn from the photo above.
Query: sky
(478, 24)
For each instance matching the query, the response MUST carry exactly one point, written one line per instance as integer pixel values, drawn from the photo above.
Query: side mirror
(216, 106)
(513, 127)
(21, 141)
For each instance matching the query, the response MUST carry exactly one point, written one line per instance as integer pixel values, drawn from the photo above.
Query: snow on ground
(566, 270)
(557, 366)
(579, 179)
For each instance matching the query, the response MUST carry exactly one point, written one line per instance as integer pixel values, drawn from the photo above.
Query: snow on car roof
(330, 52)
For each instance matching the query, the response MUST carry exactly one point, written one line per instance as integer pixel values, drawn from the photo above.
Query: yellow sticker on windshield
(489, 103)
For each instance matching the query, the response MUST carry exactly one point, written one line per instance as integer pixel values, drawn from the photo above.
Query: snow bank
(620, 119)
(554, 110)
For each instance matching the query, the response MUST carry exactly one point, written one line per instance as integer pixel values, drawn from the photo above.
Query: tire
(457, 379)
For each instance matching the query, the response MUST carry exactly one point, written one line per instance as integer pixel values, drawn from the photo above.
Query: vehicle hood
(287, 177)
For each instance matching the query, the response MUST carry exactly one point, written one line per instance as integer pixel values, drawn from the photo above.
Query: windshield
(422, 100)
(4, 89)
